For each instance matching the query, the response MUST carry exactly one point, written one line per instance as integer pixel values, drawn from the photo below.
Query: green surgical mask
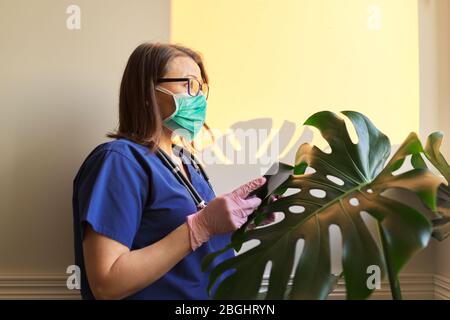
(189, 115)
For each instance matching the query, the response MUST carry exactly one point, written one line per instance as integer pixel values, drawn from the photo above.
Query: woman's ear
(166, 103)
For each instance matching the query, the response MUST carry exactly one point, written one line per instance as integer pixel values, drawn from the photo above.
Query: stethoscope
(175, 169)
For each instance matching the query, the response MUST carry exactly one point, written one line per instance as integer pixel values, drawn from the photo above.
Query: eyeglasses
(194, 86)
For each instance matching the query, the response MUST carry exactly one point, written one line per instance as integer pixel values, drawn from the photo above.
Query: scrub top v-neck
(127, 194)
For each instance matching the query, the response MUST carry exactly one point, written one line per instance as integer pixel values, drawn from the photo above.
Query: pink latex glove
(270, 218)
(226, 213)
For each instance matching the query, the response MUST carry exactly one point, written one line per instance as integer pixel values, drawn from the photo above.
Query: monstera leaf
(346, 182)
(441, 224)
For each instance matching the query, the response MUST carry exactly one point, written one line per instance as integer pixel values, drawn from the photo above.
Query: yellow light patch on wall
(288, 59)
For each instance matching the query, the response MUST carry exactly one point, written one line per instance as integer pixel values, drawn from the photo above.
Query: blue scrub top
(127, 194)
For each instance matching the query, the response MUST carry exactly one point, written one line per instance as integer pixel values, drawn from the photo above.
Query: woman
(139, 232)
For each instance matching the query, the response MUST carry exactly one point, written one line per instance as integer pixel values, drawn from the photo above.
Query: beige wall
(58, 98)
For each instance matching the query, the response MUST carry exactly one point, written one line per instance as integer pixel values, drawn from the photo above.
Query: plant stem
(393, 280)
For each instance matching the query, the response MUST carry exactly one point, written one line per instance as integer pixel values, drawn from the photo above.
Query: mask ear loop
(177, 106)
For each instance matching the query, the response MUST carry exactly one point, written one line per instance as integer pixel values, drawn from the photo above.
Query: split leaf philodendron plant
(441, 222)
(345, 184)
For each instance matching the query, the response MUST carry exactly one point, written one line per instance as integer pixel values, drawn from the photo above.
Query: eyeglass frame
(186, 79)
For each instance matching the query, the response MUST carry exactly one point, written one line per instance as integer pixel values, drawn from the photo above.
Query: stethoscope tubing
(173, 167)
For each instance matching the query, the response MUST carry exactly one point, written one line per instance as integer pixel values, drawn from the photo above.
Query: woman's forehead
(182, 67)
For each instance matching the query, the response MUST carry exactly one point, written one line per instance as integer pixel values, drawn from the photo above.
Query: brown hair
(139, 116)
